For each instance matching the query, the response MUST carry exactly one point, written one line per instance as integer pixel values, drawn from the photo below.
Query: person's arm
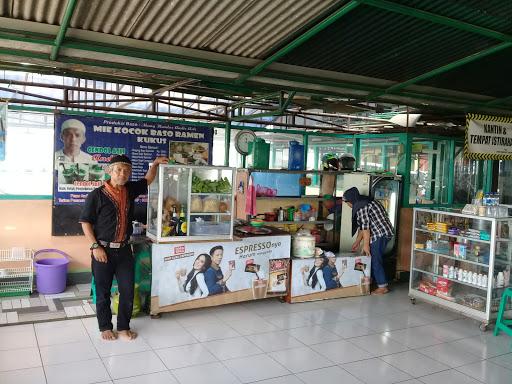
(357, 242)
(321, 280)
(180, 283)
(98, 253)
(211, 282)
(304, 278)
(87, 219)
(363, 221)
(151, 173)
(227, 276)
(202, 285)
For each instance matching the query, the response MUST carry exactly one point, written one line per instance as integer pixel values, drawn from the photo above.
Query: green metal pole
(433, 18)
(227, 143)
(299, 40)
(70, 8)
(305, 142)
(451, 178)
(443, 69)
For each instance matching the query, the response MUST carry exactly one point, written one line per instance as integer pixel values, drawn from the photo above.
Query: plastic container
(208, 228)
(295, 156)
(259, 154)
(51, 273)
(303, 245)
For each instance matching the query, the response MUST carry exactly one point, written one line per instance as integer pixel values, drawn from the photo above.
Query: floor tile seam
(486, 358)
(230, 371)
(383, 361)
(480, 359)
(193, 326)
(98, 352)
(165, 366)
(173, 346)
(452, 369)
(341, 367)
(373, 353)
(39, 353)
(501, 365)
(72, 361)
(155, 351)
(426, 346)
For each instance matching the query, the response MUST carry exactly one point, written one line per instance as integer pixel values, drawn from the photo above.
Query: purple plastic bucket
(51, 273)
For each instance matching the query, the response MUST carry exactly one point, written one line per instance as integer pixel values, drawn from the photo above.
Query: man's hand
(151, 173)
(99, 254)
(227, 275)
(355, 246)
(366, 250)
(160, 160)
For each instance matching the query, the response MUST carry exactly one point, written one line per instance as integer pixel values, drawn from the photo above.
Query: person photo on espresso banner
(72, 135)
(315, 278)
(214, 278)
(106, 221)
(194, 284)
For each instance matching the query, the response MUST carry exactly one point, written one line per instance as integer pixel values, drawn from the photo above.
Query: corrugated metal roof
(376, 43)
(492, 14)
(488, 76)
(247, 28)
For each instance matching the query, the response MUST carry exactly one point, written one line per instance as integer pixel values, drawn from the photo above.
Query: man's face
(120, 173)
(332, 261)
(217, 256)
(73, 138)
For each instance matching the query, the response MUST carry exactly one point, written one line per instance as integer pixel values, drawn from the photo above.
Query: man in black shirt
(106, 221)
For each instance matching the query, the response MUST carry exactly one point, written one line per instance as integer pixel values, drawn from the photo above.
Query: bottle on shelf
(182, 223)
(280, 214)
(174, 222)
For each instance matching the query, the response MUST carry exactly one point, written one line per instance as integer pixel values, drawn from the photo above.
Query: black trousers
(121, 264)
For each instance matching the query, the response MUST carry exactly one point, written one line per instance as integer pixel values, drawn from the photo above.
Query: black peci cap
(123, 159)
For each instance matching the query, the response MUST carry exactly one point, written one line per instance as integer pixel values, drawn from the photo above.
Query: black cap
(120, 159)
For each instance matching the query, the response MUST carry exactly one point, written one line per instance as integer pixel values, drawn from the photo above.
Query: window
(429, 172)
(469, 177)
(381, 154)
(318, 146)
(28, 165)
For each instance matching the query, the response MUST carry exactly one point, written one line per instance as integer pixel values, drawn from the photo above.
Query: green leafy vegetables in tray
(210, 186)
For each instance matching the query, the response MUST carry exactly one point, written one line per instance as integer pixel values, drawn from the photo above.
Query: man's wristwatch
(94, 246)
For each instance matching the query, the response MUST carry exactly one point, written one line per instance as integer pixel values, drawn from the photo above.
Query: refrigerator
(384, 189)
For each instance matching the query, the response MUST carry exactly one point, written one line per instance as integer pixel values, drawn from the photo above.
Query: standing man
(72, 134)
(106, 221)
(371, 222)
(331, 277)
(214, 278)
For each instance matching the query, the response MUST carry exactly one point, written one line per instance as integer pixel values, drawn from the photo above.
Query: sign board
(194, 275)
(84, 146)
(488, 137)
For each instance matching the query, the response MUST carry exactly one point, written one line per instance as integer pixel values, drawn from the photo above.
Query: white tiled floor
(371, 340)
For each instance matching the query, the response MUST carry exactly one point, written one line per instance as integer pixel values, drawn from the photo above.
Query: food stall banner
(95, 140)
(312, 276)
(3, 129)
(488, 137)
(210, 272)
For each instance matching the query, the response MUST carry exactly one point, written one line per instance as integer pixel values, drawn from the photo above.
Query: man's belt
(106, 244)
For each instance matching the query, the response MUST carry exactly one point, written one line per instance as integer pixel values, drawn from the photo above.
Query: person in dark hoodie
(374, 229)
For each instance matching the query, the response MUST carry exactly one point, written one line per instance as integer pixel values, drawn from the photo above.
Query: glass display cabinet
(191, 203)
(461, 262)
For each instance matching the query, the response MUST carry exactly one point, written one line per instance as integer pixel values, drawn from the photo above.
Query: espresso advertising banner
(84, 146)
(329, 277)
(194, 275)
(488, 137)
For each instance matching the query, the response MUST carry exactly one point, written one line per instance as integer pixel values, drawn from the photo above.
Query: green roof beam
(438, 19)
(66, 19)
(502, 101)
(443, 69)
(299, 40)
